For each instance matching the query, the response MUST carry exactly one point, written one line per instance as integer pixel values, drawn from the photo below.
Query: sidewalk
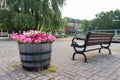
(99, 67)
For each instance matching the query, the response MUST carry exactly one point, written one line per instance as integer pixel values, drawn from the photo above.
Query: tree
(29, 14)
(85, 25)
(5, 19)
(72, 20)
(116, 19)
(107, 20)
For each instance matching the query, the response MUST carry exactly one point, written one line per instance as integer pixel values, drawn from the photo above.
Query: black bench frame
(91, 39)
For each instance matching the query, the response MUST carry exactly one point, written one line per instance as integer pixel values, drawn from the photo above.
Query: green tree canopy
(72, 20)
(6, 19)
(33, 14)
(85, 25)
(107, 20)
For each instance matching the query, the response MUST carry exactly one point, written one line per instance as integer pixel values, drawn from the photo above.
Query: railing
(4, 34)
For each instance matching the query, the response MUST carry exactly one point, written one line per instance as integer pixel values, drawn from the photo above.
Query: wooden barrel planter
(35, 56)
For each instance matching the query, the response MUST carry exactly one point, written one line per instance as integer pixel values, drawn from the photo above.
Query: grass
(16, 66)
(52, 69)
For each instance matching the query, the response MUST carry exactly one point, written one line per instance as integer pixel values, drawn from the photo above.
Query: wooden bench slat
(97, 43)
(100, 35)
(102, 38)
(107, 35)
(95, 33)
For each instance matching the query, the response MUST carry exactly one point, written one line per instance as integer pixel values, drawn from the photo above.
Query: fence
(4, 34)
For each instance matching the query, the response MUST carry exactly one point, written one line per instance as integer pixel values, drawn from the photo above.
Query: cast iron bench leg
(100, 50)
(109, 51)
(73, 57)
(85, 58)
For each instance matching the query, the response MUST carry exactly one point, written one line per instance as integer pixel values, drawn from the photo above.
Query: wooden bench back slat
(98, 38)
(100, 34)
(97, 43)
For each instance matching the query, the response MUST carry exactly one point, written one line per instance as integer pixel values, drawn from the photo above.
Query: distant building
(72, 28)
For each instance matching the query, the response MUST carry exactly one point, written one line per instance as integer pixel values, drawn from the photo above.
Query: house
(72, 28)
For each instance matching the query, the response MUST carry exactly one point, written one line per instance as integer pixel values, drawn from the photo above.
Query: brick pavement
(99, 67)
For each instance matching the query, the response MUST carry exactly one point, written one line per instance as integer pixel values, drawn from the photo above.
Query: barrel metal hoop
(31, 54)
(36, 61)
(35, 68)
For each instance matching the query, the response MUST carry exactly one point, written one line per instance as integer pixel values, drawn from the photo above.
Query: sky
(87, 9)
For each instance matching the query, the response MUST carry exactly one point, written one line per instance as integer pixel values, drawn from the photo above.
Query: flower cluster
(33, 37)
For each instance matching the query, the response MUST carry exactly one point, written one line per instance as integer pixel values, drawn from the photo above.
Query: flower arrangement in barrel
(32, 37)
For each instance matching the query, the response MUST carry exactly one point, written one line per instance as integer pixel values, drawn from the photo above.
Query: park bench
(91, 39)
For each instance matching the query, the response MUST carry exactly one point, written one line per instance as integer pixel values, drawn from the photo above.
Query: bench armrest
(74, 43)
(80, 38)
(77, 38)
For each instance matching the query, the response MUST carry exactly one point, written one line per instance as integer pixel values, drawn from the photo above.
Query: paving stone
(99, 67)
(118, 78)
(32, 75)
(101, 78)
(5, 78)
(83, 78)
(2, 73)
(42, 78)
(59, 78)
(62, 78)
(27, 78)
(113, 76)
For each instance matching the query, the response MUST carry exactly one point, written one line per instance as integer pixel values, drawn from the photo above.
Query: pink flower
(33, 37)
(14, 36)
(27, 34)
(52, 38)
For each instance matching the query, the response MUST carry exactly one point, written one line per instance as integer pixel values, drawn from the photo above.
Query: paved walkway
(99, 67)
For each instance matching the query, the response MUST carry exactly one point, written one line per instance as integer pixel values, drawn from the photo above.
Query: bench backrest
(93, 38)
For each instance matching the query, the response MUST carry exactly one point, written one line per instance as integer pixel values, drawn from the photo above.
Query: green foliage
(107, 20)
(72, 20)
(52, 69)
(6, 19)
(85, 25)
(23, 21)
(29, 14)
